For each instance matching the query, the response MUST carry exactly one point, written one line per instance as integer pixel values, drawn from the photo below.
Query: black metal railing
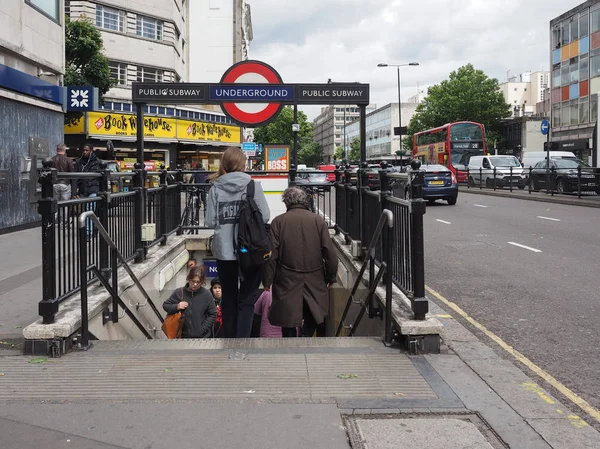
(579, 180)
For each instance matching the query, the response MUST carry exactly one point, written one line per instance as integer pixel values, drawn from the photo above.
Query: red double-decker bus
(451, 145)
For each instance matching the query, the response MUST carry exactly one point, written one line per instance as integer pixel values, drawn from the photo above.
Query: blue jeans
(89, 226)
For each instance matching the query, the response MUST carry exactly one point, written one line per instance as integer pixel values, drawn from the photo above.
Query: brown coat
(302, 265)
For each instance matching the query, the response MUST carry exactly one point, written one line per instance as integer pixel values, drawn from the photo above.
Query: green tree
(467, 94)
(339, 153)
(279, 131)
(310, 152)
(354, 154)
(85, 64)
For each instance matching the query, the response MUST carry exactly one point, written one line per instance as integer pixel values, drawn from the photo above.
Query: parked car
(505, 169)
(563, 175)
(440, 184)
(317, 182)
(531, 158)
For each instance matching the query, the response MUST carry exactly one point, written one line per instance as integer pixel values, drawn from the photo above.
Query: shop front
(579, 147)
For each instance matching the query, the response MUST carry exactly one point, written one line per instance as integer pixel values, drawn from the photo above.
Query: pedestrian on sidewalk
(240, 284)
(197, 304)
(89, 187)
(62, 188)
(302, 268)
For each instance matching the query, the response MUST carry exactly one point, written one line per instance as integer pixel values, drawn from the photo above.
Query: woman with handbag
(196, 304)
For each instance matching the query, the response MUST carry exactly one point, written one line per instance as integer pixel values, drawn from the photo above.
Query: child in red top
(215, 289)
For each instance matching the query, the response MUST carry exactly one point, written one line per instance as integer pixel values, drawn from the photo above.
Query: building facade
(149, 41)
(521, 135)
(328, 127)
(575, 80)
(525, 91)
(381, 122)
(32, 65)
(222, 33)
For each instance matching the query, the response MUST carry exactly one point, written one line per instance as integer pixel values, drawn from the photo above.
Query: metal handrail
(90, 215)
(386, 216)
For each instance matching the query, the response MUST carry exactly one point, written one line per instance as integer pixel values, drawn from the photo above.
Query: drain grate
(380, 431)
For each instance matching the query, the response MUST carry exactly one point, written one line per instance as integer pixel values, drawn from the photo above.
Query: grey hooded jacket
(222, 207)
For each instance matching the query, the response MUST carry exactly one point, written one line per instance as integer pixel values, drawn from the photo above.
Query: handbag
(173, 324)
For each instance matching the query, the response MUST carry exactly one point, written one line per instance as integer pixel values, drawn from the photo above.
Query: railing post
(83, 275)
(140, 186)
(494, 178)
(387, 244)
(179, 180)
(47, 205)
(115, 284)
(102, 211)
(163, 207)
(420, 306)
(384, 182)
(292, 175)
(553, 177)
(363, 185)
(579, 181)
(511, 178)
(468, 178)
(530, 181)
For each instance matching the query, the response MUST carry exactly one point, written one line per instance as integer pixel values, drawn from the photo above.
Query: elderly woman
(302, 268)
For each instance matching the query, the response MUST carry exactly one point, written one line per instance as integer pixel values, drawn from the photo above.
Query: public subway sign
(251, 93)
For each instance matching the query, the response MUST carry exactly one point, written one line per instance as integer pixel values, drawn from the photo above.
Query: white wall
(532, 139)
(33, 40)
(211, 39)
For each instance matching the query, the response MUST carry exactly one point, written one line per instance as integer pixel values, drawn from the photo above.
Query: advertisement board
(113, 124)
(277, 157)
(204, 131)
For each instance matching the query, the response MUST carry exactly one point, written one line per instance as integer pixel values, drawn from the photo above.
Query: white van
(530, 158)
(507, 171)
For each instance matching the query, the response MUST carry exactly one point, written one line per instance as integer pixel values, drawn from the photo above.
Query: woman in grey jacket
(197, 304)
(224, 198)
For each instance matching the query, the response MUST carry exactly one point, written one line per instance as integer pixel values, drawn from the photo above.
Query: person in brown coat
(302, 268)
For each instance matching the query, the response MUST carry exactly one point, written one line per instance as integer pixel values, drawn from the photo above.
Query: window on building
(584, 69)
(593, 108)
(556, 115)
(584, 26)
(556, 36)
(574, 70)
(118, 72)
(595, 66)
(50, 8)
(574, 112)
(148, 75)
(565, 114)
(564, 32)
(110, 18)
(149, 28)
(574, 28)
(595, 21)
(584, 110)
(564, 74)
(556, 77)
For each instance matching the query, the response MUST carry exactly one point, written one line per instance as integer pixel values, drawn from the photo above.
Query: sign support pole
(140, 132)
(295, 150)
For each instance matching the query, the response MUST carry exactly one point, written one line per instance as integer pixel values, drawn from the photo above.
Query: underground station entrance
(110, 261)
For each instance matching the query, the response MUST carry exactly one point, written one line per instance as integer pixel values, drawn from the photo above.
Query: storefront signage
(572, 145)
(115, 124)
(169, 92)
(77, 127)
(203, 131)
(277, 157)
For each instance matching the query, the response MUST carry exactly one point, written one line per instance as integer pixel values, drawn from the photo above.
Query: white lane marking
(479, 205)
(548, 218)
(525, 247)
(442, 221)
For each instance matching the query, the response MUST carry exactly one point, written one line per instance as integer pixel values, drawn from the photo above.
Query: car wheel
(452, 200)
(471, 181)
(560, 185)
(488, 183)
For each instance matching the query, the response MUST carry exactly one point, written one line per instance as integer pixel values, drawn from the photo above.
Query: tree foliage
(468, 94)
(339, 153)
(279, 131)
(310, 152)
(354, 154)
(85, 64)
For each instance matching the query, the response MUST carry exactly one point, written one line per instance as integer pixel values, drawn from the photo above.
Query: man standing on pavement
(87, 188)
(62, 188)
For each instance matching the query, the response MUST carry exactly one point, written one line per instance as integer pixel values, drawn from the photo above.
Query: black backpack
(253, 244)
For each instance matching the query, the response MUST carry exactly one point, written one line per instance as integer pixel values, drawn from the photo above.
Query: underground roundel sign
(252, 113)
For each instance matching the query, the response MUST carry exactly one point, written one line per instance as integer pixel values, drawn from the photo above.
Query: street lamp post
(412, 64)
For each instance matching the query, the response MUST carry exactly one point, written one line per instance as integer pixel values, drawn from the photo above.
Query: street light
(412, 64)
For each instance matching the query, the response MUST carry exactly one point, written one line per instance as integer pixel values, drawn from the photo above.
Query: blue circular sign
(545, 127)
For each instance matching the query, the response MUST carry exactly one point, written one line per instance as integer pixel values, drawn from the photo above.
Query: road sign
(545, 127)
(249, 146)
(253, 73)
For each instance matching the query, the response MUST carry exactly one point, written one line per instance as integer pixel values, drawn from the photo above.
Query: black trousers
(237, 303)
(308, 329)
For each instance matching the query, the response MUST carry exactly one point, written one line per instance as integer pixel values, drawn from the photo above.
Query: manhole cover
(420, 430)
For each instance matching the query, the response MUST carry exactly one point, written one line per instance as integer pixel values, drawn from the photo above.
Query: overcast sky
(313, 40)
